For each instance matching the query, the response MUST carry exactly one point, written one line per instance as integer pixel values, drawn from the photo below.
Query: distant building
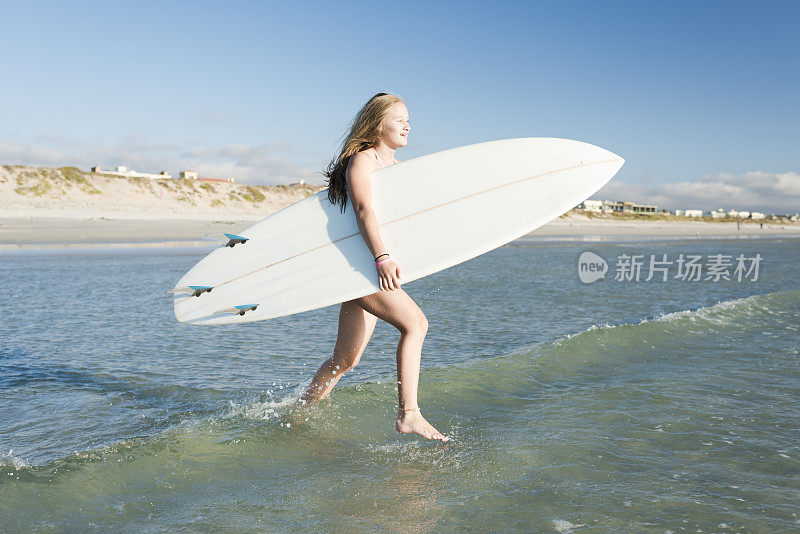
(693, 213)
(734, 214)
(628, 207)
(718, 214)
(124, 171)
(758, 215)
(591, 205)
(188, 175)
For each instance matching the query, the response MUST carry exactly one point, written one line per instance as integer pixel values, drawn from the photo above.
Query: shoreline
(126, 231)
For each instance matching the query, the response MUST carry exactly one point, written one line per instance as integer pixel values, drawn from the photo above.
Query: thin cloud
(752, 191)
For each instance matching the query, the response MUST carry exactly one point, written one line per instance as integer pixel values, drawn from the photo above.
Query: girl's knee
(417, 326)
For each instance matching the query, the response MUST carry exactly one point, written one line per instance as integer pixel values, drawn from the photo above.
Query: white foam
(266, 410)
(11, 459)
(564, 526)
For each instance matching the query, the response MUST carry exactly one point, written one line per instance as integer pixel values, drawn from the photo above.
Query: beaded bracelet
(382, 261)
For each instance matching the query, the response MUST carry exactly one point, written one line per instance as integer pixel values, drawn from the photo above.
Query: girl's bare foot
(411, 421)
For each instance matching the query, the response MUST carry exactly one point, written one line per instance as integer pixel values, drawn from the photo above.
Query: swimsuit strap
(378, 157)
(380, 160)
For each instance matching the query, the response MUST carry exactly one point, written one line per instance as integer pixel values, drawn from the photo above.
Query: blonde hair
(364, 133)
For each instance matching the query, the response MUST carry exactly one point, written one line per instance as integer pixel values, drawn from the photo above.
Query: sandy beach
(43, 207)
(575, 224)
(49, 229)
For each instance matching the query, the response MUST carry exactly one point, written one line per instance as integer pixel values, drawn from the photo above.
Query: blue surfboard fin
(238, 310)
(229, 240)
(234, 240)
(194, 291)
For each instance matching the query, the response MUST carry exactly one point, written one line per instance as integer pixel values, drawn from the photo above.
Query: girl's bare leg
(400, 310)
(355, 328)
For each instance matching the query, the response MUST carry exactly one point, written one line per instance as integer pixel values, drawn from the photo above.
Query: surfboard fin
(194, 291)
(230, 240)
(238, 310)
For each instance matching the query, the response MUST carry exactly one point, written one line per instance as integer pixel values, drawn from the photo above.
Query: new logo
(591, 267)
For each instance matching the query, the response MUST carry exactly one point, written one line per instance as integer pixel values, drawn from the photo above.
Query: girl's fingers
(389, 279)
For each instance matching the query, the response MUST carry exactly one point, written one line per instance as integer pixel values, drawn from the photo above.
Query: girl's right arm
(359, 187)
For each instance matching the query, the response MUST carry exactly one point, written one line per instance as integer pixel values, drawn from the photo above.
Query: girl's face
(395, 126)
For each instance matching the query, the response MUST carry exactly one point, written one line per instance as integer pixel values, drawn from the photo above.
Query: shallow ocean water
(618, 405)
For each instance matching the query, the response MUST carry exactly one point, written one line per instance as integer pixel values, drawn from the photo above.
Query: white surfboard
(434, 212)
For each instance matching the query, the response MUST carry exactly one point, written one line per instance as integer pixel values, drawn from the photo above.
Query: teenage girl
(379, 129)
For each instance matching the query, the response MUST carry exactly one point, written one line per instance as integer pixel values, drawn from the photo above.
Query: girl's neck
(386, 153)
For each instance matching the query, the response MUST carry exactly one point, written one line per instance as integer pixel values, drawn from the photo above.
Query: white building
(124, 171)
(188, 175)
(718, 214)
(626, 206)
(738, 214)
(758, 215)
(591, 205)
(689, 213)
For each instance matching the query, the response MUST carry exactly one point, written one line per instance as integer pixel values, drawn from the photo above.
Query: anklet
(411, 409)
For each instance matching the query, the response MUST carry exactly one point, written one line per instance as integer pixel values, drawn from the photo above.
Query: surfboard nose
(601, 154)
(619, 158)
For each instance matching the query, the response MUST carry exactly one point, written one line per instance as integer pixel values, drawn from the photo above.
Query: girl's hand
(389, 274)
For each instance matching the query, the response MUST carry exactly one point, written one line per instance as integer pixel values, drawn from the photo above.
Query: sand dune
(68, 192)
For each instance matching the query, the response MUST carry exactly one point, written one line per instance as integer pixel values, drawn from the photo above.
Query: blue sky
(701, 98)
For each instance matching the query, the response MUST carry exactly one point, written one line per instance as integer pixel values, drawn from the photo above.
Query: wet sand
(92, 231)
